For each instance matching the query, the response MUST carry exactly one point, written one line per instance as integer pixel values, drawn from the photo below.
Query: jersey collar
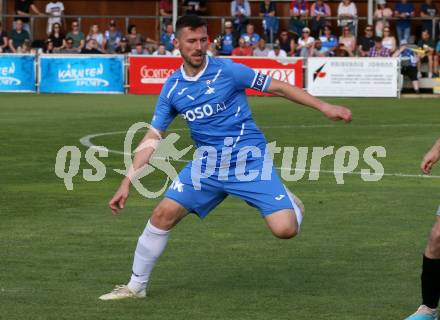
(198, 75)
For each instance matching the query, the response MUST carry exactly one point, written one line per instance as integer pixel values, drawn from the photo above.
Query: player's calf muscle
(433, 248)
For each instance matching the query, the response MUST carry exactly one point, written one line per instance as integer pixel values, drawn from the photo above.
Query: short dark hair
(189, 21)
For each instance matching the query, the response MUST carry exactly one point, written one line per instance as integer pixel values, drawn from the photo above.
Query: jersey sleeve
(245, 77)
(164, 112)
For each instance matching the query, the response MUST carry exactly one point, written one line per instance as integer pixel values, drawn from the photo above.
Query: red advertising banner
(148, 74)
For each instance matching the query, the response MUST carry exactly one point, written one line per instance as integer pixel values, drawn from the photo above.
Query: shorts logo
(177, 185)
(280, 197)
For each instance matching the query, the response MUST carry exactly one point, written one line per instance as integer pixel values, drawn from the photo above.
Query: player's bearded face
(193, 45)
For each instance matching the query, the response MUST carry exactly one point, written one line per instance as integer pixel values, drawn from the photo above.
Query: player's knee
(285, 232)
(162, 218)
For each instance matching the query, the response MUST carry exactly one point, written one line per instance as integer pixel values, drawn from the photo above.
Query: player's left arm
(431, 157)
(298, 95)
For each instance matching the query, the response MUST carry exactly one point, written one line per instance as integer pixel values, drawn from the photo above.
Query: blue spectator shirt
(167, 40)
(404, 8)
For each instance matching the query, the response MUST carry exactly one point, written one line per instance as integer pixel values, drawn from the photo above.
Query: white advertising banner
(352, 77)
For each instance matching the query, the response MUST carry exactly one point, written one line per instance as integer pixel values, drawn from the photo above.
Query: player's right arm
(431, 157)
(164, 114)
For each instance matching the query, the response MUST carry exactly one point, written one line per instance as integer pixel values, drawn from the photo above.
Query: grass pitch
(358, 255)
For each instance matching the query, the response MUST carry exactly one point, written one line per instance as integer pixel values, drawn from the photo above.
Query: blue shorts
(267, 196)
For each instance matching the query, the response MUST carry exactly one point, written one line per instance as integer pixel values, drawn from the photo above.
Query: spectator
(3, 40)
(305, 43)
(382, 16)
(270, 21)
(23, 8)
(95, 34)
(428, 10)
(25, 47)
(378, 50)
(250, 37)
(91, 47)
(69, 48)
(123, 47)
(57, 37)
(139, 50)
(319, 12)
(261, 50)
(112, 37)
(389, 41)
(347, 14)
(48, 47)
(162, 51)
(242, 49)
(299, 11)
(54, 9)
(319, 50)
(343, 51)
(167, 38)
(408, 64)
(287, 43)
(166, 11)
(77, 36)
(366, 42)
(17, 36)
(426, 44)
(329, 42)
(226, 42)
(176, 51)
(197, 7)
(404, 10)
(277, 52)
(437, 57)
(133, 36)
(240, 12)
(348, 41)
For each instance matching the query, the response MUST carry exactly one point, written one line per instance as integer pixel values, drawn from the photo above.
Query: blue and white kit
(215, 107)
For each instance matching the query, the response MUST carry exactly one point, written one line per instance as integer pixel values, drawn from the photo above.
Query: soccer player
(209, 94)
(430, 278)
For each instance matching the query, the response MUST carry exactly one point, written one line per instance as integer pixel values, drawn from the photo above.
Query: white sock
(150, 246)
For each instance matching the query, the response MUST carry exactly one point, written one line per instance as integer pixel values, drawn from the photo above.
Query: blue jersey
(214, 104)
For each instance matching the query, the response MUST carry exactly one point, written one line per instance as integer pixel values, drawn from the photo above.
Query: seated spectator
(305, 43)
(25, 47)
(382, 16)
(408, 63)
(48, 48)
(17, 36)
(277, 52)
(226, 42)
(69, 48)
(250, 37)
(261, 50)
(287, 43)
(319, 50)
(270, 20)
(366, 42)
(319, 12)
(389, 41)
(348, 41)
(347, 14)
(197, 7)
(54, 9)
(404, 11)
(176, 51)
(242, 49)
(57, 37)
(329, 42)
(139, 50)
(428, 10)
(123, 47)
(240, 12)
(162, 51)
(343, 51)
(167, 38)
(91, 47)
(95, 34)
(112, 37)
(299, 11)
(378, 50)
(3, 40)
(133, 36)
(23, 9)
(77, 36)
(426, 44)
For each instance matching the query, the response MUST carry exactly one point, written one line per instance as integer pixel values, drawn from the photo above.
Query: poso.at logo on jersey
(83, 77)
(6, 75)
(204, 111)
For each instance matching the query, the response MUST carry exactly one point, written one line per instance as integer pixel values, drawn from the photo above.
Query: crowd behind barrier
(313, 31)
